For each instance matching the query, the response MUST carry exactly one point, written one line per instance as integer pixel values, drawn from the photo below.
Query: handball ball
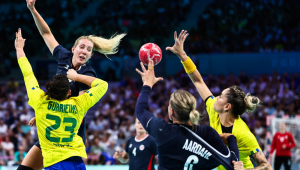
(150, 50)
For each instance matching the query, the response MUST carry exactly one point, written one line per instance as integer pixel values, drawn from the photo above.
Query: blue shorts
(81, 133)
(73, 163)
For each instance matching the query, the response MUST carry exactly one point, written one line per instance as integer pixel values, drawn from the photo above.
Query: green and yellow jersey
(58, 121)
(246, 141)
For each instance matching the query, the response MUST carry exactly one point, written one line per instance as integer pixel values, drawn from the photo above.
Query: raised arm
(189, 66)
(94, 94)
(32, 86)
(149, 79)
(42, 26)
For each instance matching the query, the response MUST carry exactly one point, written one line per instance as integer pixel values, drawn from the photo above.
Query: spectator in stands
(3, 127)
(8, 147)
(20, 155)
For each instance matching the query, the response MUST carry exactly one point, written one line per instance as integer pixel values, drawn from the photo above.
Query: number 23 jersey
(141, 153)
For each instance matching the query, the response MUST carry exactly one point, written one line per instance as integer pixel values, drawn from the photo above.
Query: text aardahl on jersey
(196, 149)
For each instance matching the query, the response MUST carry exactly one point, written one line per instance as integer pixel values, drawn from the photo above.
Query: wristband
(189, 66)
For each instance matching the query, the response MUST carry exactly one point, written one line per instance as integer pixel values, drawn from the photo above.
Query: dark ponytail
(58, 87)
(241, 102)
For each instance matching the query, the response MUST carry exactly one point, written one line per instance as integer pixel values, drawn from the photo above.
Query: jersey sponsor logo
(60, 145)
(196, 149)
(64, 108)
(130, 145)
(142, 147)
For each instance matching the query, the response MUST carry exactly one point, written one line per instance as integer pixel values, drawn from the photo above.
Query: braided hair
(241, 102)
(58, 87)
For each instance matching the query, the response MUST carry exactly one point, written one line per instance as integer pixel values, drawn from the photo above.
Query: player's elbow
(105, 86)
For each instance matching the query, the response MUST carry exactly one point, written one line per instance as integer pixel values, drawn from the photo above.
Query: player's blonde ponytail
(184, 104)
(102, 45)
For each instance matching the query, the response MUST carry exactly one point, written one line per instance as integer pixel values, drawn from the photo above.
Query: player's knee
(22, 167)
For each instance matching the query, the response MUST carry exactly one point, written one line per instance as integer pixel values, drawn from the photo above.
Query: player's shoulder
(150, 138)
(85, 68)
(240, 126)
(60, 50)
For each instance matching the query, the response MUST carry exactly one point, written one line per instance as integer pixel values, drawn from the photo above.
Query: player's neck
(227, 119)
(181, 123)
(282, 132)
(140, 136)
(75, 65)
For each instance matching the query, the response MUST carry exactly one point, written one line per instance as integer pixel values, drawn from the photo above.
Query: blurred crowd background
(225, 26)
(111, 121)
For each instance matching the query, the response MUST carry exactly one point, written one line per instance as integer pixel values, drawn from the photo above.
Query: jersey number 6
(56, 126)
(189, 162)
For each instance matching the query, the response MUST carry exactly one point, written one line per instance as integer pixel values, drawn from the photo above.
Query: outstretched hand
(30, 4)
(178, 46)
(19, 41)
(148, 76)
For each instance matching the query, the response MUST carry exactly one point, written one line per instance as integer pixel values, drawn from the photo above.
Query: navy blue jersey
(64, 60)
(185, 147)
(141, 153)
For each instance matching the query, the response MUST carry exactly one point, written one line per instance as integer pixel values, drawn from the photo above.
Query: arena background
(250, 43)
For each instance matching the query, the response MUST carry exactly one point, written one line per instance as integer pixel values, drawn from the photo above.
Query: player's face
(221, 104)
(139, 127)
(83, 51)
(282, 127)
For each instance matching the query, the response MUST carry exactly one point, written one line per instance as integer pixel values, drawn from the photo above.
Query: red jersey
(281, 139)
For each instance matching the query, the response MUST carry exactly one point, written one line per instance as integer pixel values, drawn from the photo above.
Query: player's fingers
(143, 67)
(179, 37)
(185, 36)
(151, 62)
(159, 79)
(137, 70)
(20, 32)
(175, 36)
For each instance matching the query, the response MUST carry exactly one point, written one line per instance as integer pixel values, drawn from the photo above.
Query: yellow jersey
(58, 121)
(246, 141)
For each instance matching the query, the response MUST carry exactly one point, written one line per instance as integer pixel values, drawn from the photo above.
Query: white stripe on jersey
(148, 122)
(227, 156)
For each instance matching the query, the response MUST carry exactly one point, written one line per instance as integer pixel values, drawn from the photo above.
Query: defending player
(183, 144)
(81, 53)
(224, 111)
(59, 118)
(140, 150)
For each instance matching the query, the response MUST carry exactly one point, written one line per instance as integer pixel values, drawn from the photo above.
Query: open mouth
(81, 58)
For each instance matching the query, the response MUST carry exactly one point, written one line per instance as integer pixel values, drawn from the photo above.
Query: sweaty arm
(44, 30)
(195, 76)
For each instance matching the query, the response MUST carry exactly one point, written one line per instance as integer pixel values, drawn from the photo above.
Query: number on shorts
(57, 125)
(134, 151)
(189, 164)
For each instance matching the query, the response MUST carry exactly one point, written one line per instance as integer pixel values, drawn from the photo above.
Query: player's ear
(69, 92)
(227, 107)
(73, 48)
